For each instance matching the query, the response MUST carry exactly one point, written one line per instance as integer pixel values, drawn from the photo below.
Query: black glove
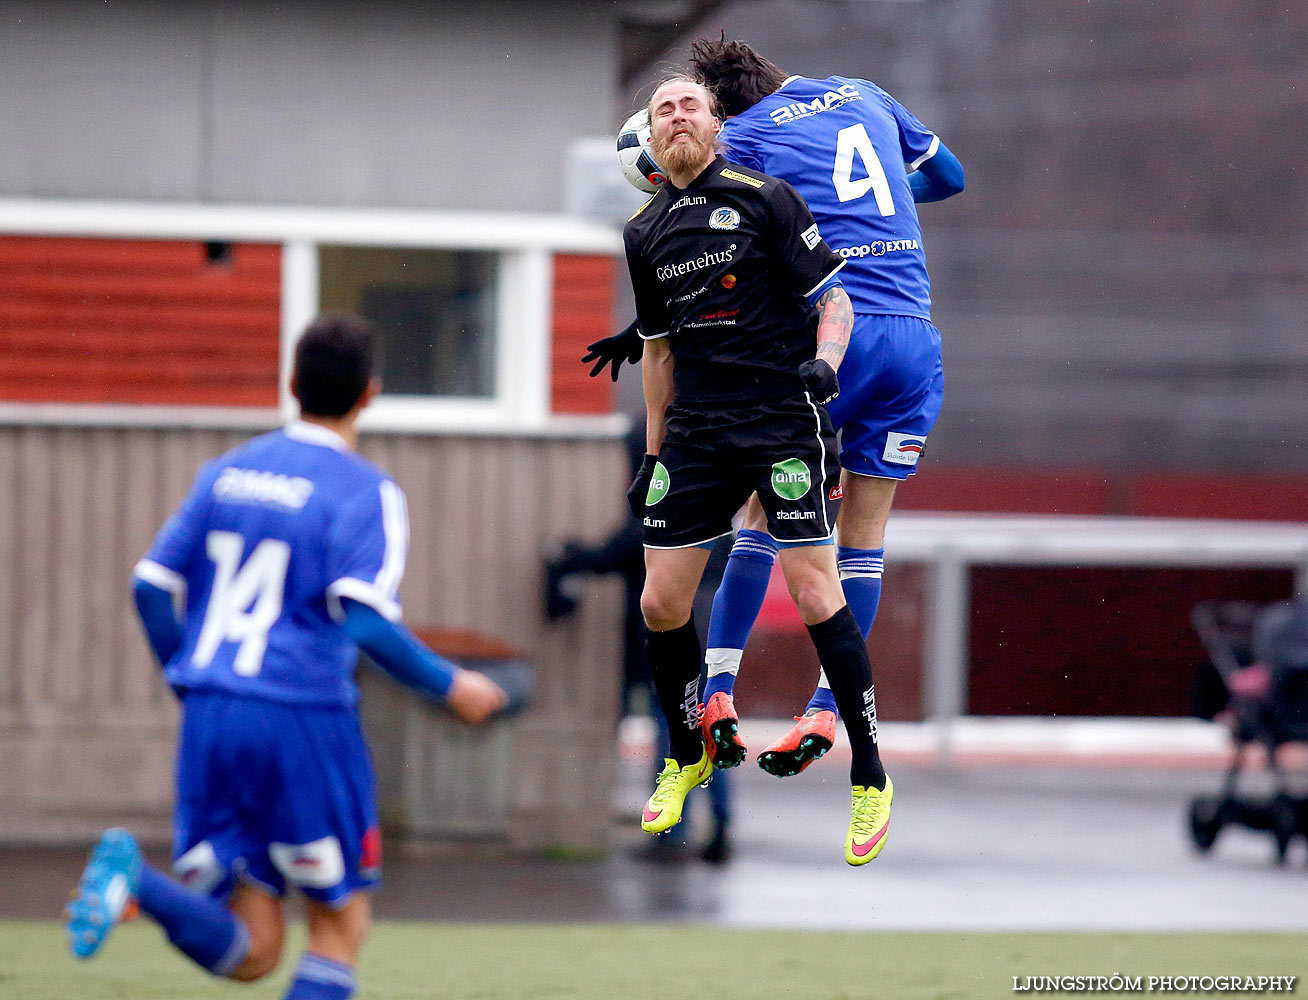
(820, 380)
(640, 487)
(624, 346)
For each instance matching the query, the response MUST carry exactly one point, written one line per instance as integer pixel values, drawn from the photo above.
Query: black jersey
(725, 269)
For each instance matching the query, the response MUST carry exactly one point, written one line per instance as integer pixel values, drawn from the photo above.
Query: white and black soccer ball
(635, 155)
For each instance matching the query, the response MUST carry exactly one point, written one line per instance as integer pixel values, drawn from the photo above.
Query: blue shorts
(892, 383)
(274, 794)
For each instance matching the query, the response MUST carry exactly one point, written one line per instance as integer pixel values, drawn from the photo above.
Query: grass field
(408, 961)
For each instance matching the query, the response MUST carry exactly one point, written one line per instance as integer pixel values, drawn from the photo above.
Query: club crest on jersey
(724, 218)
(831, 99)
(903, 449)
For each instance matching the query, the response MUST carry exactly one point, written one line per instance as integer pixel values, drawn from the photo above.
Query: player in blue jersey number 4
(284, 560)
(861, 161)
(727, 267)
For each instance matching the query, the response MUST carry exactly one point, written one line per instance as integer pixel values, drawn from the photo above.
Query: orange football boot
(810, 738)
(722, 731)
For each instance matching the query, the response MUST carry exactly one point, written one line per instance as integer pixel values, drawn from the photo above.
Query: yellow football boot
(868, 822)
(663, 810)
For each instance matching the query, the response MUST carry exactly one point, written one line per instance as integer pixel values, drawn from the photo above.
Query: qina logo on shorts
(791, 479)
(724, 218)
(836, 493)
(658, 485)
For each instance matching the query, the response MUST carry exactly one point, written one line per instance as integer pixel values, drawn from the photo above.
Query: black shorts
(714, 457)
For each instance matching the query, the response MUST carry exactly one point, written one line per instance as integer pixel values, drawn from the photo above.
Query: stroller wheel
(1285, 824)
(1205, 822)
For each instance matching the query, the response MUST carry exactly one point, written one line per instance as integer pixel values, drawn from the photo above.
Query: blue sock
(200, 927)
(860, 579)
(318, 978)
(735, 607)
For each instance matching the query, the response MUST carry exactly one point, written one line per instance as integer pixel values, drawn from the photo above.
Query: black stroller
(1257, 681)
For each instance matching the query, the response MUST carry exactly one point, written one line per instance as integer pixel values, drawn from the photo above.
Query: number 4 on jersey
(855, 140)
(244, 603)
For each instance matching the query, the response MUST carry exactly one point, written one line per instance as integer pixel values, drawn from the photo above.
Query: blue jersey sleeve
(917, 142)
(367, 549)
(179, 541)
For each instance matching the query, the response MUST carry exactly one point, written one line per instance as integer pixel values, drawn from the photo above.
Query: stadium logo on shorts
(791, 479)
(658, 485)
(903, 449)
(724, 218)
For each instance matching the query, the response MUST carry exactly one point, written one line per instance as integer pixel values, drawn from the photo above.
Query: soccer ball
(635, 156)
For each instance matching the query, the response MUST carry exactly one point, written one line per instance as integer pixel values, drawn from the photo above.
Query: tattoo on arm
(835, 324)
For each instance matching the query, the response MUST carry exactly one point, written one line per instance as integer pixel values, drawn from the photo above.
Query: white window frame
(524, 242)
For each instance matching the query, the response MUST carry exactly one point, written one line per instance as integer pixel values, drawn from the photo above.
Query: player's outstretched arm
(163, 631)
(938, 178)
(835, 324)
(471, 697)
(625, 346)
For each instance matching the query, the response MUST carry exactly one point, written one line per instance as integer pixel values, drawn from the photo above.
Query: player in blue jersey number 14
(283, 561)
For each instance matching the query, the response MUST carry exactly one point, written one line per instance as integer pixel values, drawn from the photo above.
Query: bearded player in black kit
(727, 267)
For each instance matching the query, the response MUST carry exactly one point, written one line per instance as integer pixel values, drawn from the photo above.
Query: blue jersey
(270, 539)
(847, 146)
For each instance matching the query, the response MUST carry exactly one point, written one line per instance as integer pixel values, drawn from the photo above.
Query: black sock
(843, 653)
(674, 658)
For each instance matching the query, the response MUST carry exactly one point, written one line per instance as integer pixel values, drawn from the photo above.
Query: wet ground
(1022, 844)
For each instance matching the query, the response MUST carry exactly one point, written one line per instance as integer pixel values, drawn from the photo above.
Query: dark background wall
(1124, 284)
(1123, 293)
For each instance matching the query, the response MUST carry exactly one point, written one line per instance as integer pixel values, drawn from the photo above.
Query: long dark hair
(738, 76)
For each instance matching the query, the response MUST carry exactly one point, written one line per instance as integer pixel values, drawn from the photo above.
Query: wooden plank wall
(87, 727)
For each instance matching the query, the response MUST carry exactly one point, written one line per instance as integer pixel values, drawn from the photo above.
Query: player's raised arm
(938, 177)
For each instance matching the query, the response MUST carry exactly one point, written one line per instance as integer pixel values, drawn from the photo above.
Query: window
(434, 312)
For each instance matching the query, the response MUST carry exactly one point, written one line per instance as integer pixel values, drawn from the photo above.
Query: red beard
(684, 157)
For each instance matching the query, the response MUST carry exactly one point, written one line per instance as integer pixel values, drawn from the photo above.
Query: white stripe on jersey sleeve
(931, 151)
(158, 575)
(395, 525)
(655, 336)
(831, 274)
(363, 592)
